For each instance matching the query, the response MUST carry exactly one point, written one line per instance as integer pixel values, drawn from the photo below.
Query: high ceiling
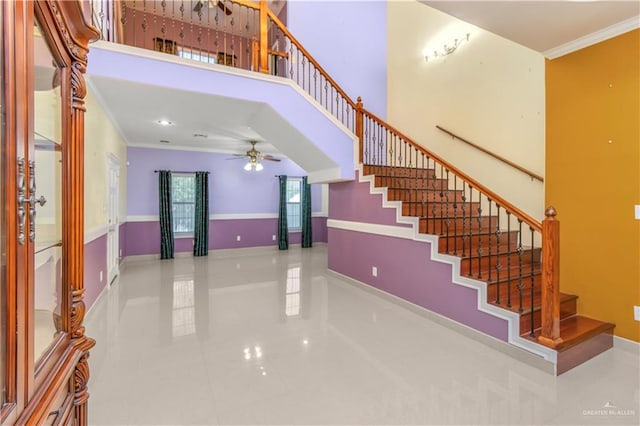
(549, 27)
(221, 124)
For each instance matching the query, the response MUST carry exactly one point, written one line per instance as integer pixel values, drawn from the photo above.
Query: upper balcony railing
(239, 33)
(248, 35)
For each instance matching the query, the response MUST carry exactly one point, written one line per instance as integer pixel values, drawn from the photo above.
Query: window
(294, 205)
(183, 197)
(200, 56)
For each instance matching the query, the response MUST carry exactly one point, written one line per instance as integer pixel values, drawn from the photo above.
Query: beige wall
(101, 140)
(490, 91)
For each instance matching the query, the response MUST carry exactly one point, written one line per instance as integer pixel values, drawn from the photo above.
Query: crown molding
(593, 38)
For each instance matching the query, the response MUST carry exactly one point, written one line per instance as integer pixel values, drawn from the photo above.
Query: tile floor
(268, 337)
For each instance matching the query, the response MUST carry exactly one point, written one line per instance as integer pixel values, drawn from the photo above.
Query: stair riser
(485, 263)
(455, 245)
(467, 210)
(399, 172)
(438, 226)
(419, 195)
(567, 308)
(408, 183)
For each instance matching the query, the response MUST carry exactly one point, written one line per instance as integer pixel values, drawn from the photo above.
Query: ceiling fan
(254, 158)
(212, 3)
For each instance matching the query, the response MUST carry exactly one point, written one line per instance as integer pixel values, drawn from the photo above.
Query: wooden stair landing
(445, 212)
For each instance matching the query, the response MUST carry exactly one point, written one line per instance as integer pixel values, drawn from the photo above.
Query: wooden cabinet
(43, 347)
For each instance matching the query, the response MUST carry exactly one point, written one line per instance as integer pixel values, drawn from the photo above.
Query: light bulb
(259, 167)
(247, 166)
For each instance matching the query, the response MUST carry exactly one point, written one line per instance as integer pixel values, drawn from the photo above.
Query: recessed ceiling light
(164, 141)
(164, 122)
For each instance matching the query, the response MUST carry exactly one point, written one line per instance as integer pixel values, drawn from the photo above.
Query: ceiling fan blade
(239, 157)
(270, 158)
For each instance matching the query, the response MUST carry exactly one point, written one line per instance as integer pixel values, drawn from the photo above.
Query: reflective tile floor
(267, 337)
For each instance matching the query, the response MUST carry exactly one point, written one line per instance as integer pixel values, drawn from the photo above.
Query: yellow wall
(100, 140)
(593, 176)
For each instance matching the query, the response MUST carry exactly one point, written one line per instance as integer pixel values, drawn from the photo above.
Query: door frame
(113, 217)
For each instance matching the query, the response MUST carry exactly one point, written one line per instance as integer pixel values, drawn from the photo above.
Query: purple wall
(352, 201)
(144, 237)
(95, 260)
(231, 188)
(405, 268)
(352, 47)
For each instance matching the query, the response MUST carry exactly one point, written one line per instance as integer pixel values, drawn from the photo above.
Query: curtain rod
(176, 171)
(290, 176)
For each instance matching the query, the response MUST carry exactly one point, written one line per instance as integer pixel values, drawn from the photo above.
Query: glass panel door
(45, 189)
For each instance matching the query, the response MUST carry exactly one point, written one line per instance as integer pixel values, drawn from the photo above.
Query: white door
(113, 233)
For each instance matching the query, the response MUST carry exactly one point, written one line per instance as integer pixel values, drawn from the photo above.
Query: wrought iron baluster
(480, 251)
(509, 261)
(455, 215)
(448, 221)
(520, 278)
(464, 220)
(489, 239)
(181, 34)
(498, 260)
(532, 333)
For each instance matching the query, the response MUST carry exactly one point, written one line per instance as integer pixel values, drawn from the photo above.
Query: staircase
(494, 253)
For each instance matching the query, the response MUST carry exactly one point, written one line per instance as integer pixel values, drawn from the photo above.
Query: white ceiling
(545, 26)
(219, 122)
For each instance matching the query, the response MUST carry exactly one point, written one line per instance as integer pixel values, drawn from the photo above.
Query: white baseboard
(217, 252)
(626, 345)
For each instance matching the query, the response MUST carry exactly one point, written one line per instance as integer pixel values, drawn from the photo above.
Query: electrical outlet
(636, 313)
(637, 206)
(237, 237)
(374, 271)
(273, 238)
(120, 253)
(100, 276)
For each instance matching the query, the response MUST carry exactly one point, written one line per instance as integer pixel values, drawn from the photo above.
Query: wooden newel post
(359, 134)
(550, 334)
(264, 33)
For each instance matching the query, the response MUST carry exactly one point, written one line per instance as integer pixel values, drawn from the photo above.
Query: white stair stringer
(512, 318)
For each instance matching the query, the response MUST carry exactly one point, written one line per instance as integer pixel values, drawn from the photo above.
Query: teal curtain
(201, 224)
(166, 216)
(307, 236)
(283, 229)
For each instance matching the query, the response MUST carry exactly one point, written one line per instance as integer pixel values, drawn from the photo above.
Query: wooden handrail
(315, 63)
(492, 154)
(534, 224)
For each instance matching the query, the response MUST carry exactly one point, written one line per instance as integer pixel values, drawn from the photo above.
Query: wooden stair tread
(577, 329)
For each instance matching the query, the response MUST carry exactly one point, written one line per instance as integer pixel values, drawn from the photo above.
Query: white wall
(101, 139)
(490, 91)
